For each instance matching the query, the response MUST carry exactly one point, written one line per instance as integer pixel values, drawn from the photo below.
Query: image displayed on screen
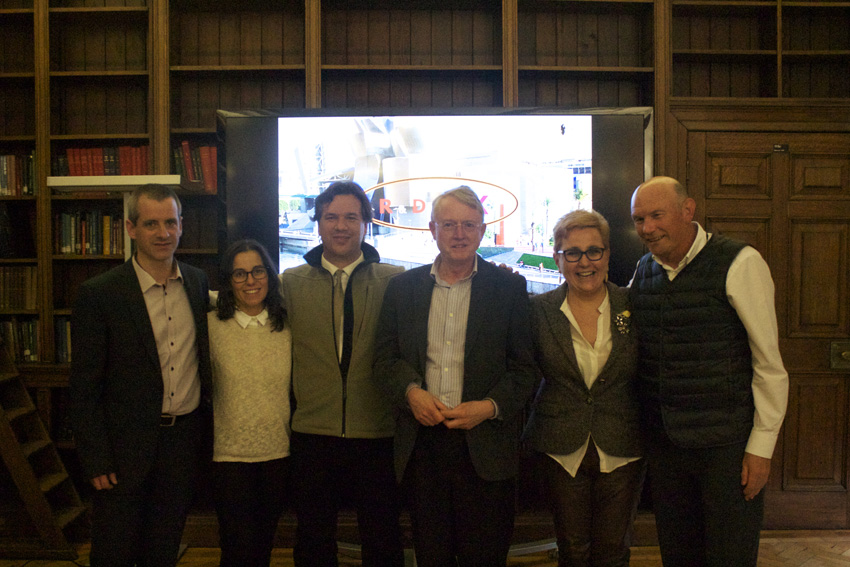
(528, 171)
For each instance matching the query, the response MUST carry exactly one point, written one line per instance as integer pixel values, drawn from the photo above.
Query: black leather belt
(169, 420)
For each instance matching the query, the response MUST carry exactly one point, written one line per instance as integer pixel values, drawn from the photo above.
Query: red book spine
(74, 160)
(85, 161)
(187, 160)
(208, 169)
(124, 160)
(97, 162)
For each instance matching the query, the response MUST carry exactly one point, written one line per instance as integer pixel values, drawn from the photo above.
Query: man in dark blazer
(138, 380)
(453, 349)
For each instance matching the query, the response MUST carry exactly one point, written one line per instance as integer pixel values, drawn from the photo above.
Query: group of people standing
(350, 383)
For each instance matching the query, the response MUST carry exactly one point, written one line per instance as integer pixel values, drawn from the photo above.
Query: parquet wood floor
(778, 549)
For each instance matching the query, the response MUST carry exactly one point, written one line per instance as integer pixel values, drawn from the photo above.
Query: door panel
(818, 279)
(814, 412)
(788, 195)
(739, 176)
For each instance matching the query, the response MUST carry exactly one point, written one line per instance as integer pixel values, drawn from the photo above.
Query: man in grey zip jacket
(342, 427)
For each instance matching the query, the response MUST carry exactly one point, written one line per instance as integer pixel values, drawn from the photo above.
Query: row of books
(18, 287)
(88, 232)
(108, 160)
(17, 175)
(197, 163)
(62, 330)
(21, 338)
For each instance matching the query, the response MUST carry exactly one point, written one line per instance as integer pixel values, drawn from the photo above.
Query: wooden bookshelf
(586, 54)
(760, 49)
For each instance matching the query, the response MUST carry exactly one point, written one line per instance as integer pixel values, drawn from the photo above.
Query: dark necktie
(343, 313)
(338, 312)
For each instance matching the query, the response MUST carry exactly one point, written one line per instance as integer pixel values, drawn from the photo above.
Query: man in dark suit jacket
(138, 380)
(453, 349)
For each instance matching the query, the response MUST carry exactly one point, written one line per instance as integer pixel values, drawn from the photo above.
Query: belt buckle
(167, 420)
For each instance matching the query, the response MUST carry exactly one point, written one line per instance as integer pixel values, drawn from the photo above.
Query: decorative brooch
(622, 322)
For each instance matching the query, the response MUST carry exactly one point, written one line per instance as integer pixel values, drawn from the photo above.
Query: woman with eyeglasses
(584, 424)
(250, 347)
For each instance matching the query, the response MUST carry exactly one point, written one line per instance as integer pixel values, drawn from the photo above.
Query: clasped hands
(430, 411)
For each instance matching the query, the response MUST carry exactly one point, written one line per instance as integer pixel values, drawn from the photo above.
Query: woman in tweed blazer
(584, 425)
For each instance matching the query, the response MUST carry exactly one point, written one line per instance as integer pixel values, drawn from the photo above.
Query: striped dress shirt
(447, 321)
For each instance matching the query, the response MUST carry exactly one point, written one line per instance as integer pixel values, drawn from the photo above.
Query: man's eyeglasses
(573, 255)
(468, 226)
(239, 276)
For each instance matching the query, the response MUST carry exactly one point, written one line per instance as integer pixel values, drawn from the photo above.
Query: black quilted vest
(695, 366)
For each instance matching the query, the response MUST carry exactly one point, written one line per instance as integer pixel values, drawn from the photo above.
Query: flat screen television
(528, 166)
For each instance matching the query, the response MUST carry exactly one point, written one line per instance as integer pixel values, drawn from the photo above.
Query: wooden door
(788, 195)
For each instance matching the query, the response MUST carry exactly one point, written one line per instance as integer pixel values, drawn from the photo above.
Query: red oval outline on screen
(384, 184)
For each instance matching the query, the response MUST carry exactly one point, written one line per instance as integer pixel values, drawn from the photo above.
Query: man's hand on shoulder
(754, 474)
(104, 481)
(469, 414)
(426, 408)
(503, 266)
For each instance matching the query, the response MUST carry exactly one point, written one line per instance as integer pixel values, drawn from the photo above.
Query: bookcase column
(41, 45)
(510, 54)
(160, 89)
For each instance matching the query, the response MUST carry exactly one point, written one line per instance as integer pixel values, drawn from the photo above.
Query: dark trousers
(331, 473)
(594, 512)
(458, 518)
(141, 523)
(702, 517)
(249, 499)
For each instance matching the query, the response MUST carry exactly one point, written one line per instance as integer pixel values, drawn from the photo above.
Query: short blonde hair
(580, 219)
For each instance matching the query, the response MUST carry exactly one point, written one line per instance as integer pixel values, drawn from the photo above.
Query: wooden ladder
(39, 504)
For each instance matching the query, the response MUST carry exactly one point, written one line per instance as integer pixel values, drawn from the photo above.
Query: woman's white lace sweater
(251, 376)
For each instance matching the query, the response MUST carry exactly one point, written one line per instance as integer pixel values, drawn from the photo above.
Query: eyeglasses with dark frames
(573, 255)
(239, 276)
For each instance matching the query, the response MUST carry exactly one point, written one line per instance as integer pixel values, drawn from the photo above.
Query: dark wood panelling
(729, 76)
(815, 403)
(403, 89)
(96, 3)
(441, 38)
(16, 54)
(738, 176)
(585, 37)
(577, 90)
(72, 274)
(93, 42)
(744, 51)
(825, 176)
(808, 28)
(197, 96)
(755, 232)
(96, 106)
(744, 28)
(17, 115)
(827, 77)
(208, 38)
(818, 305)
